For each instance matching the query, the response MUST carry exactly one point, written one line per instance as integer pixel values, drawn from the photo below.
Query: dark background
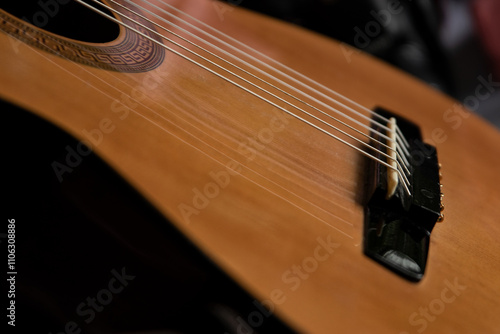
(449, 44)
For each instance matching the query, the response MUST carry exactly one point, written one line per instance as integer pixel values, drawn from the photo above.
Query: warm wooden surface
(300, 185)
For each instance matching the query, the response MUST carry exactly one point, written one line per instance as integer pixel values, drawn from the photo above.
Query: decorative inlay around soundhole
(131, 52)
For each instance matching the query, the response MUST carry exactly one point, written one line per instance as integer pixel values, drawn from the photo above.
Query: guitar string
(401, 137)
(402, 143)
(399, 154)
(398, 169)
(191, 145)
(260, 88)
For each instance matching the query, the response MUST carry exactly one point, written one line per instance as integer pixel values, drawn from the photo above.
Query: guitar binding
(397, 230)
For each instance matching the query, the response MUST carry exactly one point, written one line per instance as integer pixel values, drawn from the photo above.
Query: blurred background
(454, 45)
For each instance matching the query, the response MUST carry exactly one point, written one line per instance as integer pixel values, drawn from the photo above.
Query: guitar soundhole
(65, 18)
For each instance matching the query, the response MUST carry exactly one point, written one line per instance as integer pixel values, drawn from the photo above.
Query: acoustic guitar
(328, 191)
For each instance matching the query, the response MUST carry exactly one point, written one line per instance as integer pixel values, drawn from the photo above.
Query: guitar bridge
(397, 228)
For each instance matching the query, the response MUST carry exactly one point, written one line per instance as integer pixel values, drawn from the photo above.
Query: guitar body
(276, 204)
